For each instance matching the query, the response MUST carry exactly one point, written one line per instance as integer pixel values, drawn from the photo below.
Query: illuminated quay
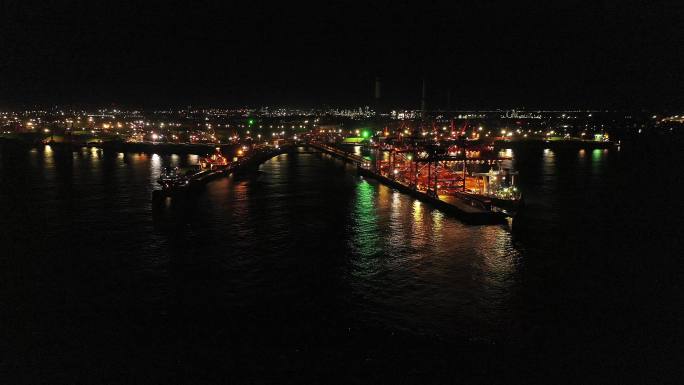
(179, 184)
(442, 180)
(460, 161)
(447, 179)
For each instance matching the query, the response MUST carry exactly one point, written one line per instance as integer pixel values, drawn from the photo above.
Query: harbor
(425, 182)
(340, 192)
(308, 220)
(178, 184)
(441, 180)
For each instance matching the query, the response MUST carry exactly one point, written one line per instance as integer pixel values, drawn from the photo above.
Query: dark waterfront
(308, 272)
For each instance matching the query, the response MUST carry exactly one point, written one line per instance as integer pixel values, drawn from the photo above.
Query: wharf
(468, 212)
(553, 144)
(243, 166)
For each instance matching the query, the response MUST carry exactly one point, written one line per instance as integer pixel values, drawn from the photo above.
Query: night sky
(599, 54)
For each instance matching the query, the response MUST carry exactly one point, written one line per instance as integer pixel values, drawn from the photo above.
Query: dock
(198, 181)
(468, 212)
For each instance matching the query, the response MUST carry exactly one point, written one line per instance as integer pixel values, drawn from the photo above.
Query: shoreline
(554, 144)
(139, 147)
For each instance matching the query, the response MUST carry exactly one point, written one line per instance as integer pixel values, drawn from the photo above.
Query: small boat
(171, 177)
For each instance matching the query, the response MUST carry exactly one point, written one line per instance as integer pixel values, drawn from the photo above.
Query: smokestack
(422, 100)
(377, 88)
(448, 99)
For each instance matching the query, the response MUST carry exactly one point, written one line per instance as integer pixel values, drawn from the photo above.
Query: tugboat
(171, 178)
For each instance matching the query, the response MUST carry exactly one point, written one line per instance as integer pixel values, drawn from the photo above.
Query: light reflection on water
(357, 150)
(416, 268)
(364, 240)
(411, 267)
(306, 250)
(155, 169)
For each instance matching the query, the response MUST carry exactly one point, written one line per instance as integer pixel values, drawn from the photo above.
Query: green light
(250, 122)
(365, 133)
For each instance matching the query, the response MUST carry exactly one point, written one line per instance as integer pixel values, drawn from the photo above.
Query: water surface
(307, 269)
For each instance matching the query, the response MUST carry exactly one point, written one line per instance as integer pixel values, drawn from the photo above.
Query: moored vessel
(172, 177)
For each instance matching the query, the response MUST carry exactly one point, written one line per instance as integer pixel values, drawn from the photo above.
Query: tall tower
(423, 111)
(377, 95)
(377, 88)
(448, 103)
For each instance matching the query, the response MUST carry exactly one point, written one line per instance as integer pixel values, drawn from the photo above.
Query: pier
(469, 211)
(240, 167)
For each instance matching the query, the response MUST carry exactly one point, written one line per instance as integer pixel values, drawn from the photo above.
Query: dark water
(307, 272)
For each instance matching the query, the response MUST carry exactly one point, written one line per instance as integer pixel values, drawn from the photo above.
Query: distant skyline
(572, 54)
